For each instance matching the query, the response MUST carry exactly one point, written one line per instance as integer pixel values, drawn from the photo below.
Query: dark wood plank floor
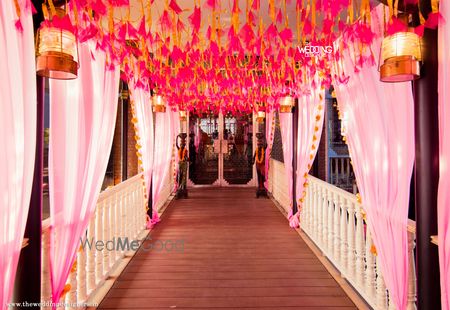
(238, 252)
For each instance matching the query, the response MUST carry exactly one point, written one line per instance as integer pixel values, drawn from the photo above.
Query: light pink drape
(380, 137)
(144, 114)
(164, 139)
(270, 115)
(82, 120)
(444, 144)
(18, 138)
(286, 139)
(176, 130)
(310, 106)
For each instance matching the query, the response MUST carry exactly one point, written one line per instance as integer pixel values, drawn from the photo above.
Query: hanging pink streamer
(311, 114)
(144, 115)
(176, 130)
(287, 138)
(82, 119)
(18, 140)
(164, 139)
(444, 162)
(269, 137)
(380, 135)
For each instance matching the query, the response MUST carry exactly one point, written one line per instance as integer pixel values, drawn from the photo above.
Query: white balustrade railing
(334, 220)
(120, 213)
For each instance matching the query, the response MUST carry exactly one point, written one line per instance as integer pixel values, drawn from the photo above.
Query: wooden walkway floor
(239, 253)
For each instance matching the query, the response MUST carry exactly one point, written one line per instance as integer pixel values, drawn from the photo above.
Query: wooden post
(427, 173)
(124, 132)
(28, 277)
(294, 157)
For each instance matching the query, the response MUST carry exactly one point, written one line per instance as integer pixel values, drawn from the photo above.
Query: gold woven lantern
(260, 116)
(400, 57)
(286, 104)
(183, 116)
(57, 53)
(158, 104)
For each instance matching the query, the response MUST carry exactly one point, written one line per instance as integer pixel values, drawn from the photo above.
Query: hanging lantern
(56, 53)
(260, 116)
(286, 104)
(158, 104)
(183, 116)
(400, 57)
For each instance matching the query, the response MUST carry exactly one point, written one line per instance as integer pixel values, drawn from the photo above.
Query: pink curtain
(286, 139)
(82, 120)
(270, 128)
(444, 137)
(164, 138)
(144, 114)
(18, 138)
(310, 124)
(380, 137)
(176, 130)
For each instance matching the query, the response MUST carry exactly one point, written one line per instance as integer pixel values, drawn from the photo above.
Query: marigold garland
(260, 157)
(182, 154)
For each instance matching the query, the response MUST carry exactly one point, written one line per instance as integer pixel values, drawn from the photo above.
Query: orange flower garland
(182, 154)
(260, 158)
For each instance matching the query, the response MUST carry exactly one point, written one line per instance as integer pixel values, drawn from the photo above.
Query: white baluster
(359, 248)
(81, 275)
(411, 272)
(132, 210)
(351, 262)
(316, 213)
(114, 230)
(123, 218)
(381, 288)
(343, 234)
(90, 254)
(324, 239)
(391, 305)
(137, 209)
(71, 296)
(46, 294)
(98, 237)
(313, 211)
(330, 225)
(129, 216)
(106, 238)
(370, 286)
(336, 229)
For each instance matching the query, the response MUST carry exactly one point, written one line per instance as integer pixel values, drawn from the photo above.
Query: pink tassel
(211, 4)
(18, 25)
(195, 19)
(433, 20)
(294, 221)
(174, 6)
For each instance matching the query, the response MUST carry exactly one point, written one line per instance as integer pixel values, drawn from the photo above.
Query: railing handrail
(349, 196)
(352, 197)
(110, 191)
(119, 213)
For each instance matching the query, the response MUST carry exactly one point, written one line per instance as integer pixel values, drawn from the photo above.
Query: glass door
(238, 157)
(203, 149)
(221, 149)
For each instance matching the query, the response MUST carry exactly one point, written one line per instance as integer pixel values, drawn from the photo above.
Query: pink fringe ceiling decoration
(233, 55)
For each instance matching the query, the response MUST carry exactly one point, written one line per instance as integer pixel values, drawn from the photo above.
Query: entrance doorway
(221, 149)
